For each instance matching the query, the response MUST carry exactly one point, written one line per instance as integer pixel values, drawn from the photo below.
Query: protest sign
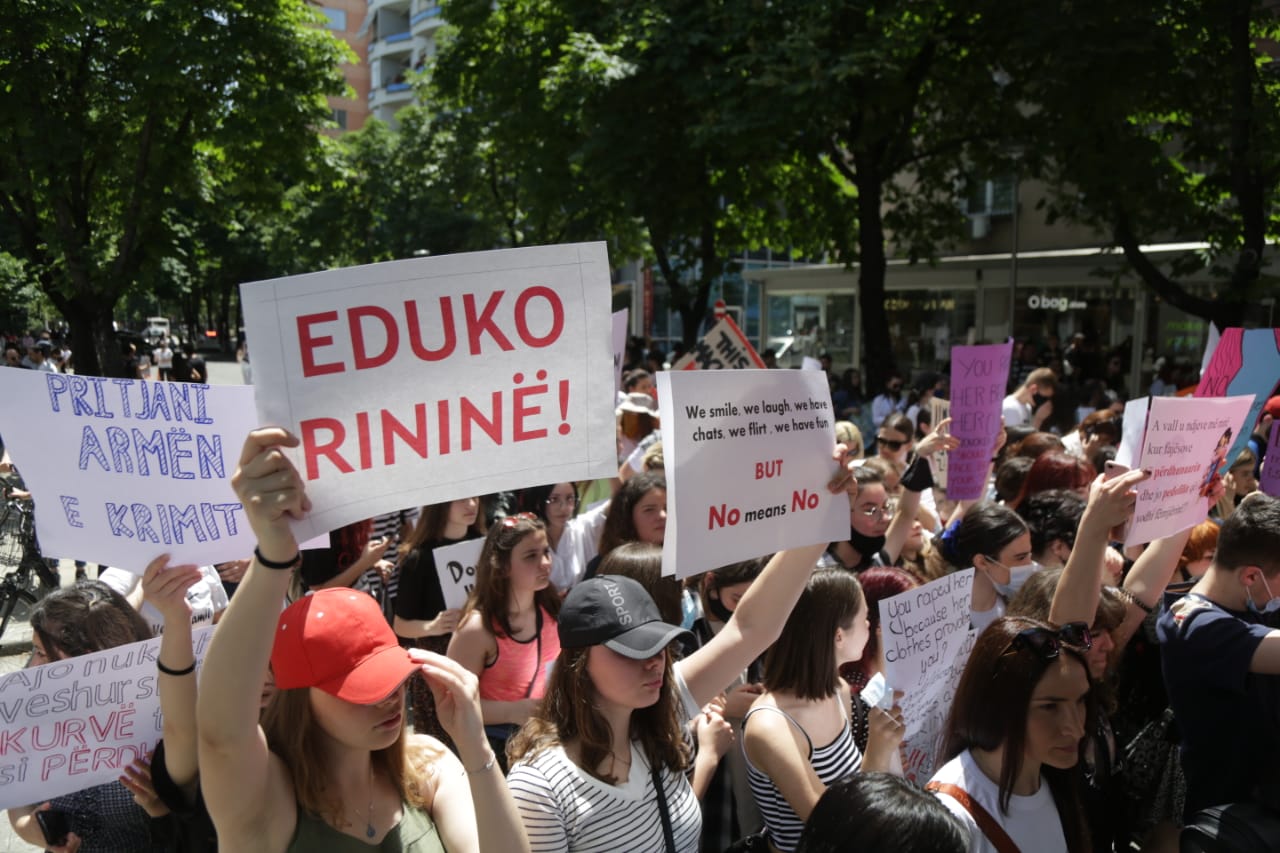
(748, 458)
(426, 380)
(1245, 361)
(456, 566)
(926, 641)
(939, 411)
(76, 723)
(723, 347)
(1185, 441)
(123, 470)
(619, 346)
(810, 363)
(1269, 480)
(978, 377)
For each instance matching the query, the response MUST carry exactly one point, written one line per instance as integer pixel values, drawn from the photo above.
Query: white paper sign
(123, 470)
(748, 458)
(426, 380)
(921, 750)
(939, 411)
(810, 363)
(76, 723)
(723, 347)
(619, 346)
(922, 631)
(456, 566)
(1185, 442)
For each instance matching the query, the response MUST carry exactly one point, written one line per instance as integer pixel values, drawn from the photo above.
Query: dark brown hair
(990, 710)
(642, 562)
(803, 660)
(620, 525)
(432, 522)
(87, 617)
(492, 593)
(567, 712)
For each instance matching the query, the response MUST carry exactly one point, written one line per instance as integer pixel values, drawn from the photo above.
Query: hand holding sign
(938, 440)
(166, 588)
(271, 491)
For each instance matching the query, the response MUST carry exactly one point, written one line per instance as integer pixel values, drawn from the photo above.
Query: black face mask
(717, 608)
(867, 546)
(1038, 400)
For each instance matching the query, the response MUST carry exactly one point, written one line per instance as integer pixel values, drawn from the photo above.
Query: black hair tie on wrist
(275, 564)
(160, 666)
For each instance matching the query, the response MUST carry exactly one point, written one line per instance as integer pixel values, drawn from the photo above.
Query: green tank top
(416, 833)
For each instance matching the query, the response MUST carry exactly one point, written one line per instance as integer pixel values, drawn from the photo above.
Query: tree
(1162, 122)
(119, 112)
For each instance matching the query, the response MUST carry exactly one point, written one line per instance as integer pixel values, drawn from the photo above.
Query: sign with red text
(748, 458)
(723, 347)
(978, 377)
(426, 380)
(1245, 361)
(123, 470)
(79, 722)
(456, 567)
(926, 639)
(1185, 442)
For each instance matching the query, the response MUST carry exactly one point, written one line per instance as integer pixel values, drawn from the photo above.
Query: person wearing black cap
(599, 767)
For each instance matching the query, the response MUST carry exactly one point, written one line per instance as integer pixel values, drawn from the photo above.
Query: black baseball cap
(616, 612)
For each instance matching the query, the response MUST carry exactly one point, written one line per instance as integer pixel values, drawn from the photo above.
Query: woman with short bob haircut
(798, 736)
(1015, 737)
(880, 811)
(996, 542)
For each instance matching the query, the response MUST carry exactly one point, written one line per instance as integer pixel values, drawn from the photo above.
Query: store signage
(1054, 303)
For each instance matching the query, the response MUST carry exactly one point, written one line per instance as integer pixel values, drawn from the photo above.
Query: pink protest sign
(1245, 361)
(978, 377)
(1269, 482)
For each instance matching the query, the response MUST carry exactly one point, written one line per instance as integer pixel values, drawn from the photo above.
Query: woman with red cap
(332, 767)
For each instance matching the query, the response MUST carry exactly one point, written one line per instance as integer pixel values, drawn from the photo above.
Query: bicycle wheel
(12, 547)
(16, 605)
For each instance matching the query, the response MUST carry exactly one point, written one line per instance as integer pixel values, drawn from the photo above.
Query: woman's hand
(137, 778)
(937, 440)
(1112, 501)
(271, 491)
(232, 571)
(842, 480)
(738, 700)
(884, 735)
(166, 588)
(715, 734)
(446, 622)
(457, 693)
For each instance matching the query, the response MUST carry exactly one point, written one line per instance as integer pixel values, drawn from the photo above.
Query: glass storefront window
(925, 324)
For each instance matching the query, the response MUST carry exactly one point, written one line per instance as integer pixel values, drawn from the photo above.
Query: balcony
(390, 46)
(428, 19)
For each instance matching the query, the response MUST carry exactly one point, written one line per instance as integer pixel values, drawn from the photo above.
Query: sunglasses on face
(895, 446)
(1048, 642)
(513, 520)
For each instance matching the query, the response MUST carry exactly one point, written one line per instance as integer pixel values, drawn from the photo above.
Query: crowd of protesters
(581, 701)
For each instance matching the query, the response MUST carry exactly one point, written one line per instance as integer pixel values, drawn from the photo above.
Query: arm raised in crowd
(914, 482)
(247, 789)
(757, 622)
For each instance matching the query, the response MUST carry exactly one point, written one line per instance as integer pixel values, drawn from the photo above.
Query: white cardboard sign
(748, 458)
(923, 631)
(76, 723)
(619, 345)
(456, 566)
(123, 470)
(426, 380)
(723, 347)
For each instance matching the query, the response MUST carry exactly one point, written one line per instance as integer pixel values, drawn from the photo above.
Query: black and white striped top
(834, 762)
(565, 810)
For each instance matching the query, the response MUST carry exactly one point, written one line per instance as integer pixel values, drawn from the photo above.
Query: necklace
(369, 831)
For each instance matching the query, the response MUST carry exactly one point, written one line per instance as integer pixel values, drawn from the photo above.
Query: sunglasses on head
(1048, 642)
(513, 520)
(889, 443)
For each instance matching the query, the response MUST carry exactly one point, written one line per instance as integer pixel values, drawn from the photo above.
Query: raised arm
(1111, 502)
(917, 478)
(248, 790)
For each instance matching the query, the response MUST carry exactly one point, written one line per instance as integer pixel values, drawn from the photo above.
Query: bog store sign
(1053, 303)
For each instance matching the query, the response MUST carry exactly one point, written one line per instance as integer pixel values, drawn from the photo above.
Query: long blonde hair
(294, 735)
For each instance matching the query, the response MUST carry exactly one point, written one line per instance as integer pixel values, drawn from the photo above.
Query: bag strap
(537, 655)
(990, 828)
(667, 833)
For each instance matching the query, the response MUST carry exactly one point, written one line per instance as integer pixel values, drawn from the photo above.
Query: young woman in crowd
(878, 583)
(880, 811)
(1014, 738)
(573, 538)
(996, 542)
(421, 615)
(1055, 469)
(637, 513)
(1098, 430)
(600, 765)
(797, 736)
(332, 767)
(507, 636)
(79, 620)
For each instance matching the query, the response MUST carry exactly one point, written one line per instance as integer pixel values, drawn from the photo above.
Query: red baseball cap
(339, 641)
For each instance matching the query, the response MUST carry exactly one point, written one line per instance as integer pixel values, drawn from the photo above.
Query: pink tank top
(521, 668)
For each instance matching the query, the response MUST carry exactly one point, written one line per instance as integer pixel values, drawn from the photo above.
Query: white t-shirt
(206, 597)
(1032, 822)
(1016, 413)
(579, 544)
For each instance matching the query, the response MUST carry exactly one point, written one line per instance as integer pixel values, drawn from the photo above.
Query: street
(16, 644)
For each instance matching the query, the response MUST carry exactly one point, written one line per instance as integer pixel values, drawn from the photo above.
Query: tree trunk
(93, 342)
(872, 264)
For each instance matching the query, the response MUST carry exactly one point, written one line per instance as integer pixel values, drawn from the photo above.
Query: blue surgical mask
(1017, 577)
(1272, 605)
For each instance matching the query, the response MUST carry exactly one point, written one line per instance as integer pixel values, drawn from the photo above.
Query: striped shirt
(834, 762)
(566, 810)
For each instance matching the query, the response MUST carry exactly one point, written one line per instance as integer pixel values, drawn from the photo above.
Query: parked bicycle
(28, 576)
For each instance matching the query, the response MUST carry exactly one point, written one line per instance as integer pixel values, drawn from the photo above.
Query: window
(337, 18)
(993, 196)
(340, 119)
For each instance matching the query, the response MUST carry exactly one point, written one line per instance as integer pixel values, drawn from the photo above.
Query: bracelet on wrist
(1133, 599)
(488, 765)
(276, 565)
(167, 671)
